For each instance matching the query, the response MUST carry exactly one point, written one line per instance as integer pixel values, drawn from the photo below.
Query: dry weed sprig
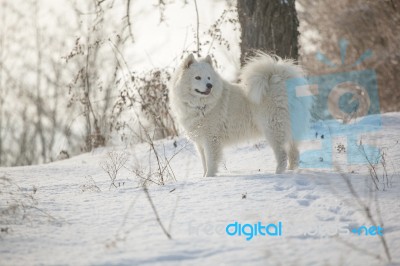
(114, 162)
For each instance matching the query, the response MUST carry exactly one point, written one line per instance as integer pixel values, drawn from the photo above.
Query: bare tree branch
(197, 29)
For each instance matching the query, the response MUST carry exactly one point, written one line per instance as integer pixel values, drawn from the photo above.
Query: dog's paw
(209, 174)
(280, 169)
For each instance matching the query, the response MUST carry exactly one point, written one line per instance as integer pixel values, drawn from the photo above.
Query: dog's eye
(208, 78)
(198, 78)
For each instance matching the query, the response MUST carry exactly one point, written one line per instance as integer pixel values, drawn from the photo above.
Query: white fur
(255, 108)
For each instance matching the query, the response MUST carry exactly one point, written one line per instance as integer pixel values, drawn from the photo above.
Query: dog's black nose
(209, 85)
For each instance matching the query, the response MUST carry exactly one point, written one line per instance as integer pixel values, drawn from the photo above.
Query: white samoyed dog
(215, 113)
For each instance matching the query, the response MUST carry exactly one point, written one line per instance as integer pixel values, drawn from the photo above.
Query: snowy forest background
(76, 75)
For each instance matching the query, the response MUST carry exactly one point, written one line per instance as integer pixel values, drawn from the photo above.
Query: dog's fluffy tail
(264, 73)
(264, 77)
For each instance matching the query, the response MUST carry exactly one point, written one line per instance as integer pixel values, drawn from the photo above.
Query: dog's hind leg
(293, 156)
(276, 135)
(277, 144)
(280, 156)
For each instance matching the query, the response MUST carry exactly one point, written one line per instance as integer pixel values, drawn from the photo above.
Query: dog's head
(200, 78)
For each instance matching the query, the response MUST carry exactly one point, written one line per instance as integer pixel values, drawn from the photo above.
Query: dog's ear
(188, 61)
(209, 60)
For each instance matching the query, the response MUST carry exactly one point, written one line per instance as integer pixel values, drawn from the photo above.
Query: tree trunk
(270, 26)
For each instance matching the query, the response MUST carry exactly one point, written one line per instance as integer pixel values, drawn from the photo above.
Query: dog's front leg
(212, 152)
(203, 159)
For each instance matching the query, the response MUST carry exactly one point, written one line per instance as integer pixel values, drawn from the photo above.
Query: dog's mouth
(206, 92)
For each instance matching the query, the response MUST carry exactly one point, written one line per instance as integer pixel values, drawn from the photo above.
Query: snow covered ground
(65, 213)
